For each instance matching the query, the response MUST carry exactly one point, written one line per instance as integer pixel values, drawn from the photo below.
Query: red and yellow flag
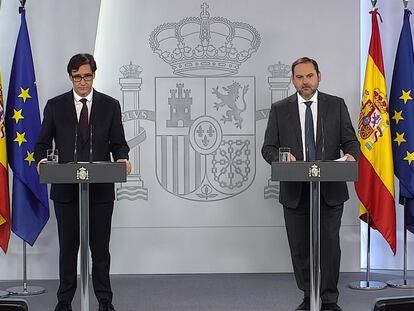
(4, 181)
(375, 186)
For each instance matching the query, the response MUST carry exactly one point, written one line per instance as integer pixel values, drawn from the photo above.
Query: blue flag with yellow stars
(30, 204)
(402, 120)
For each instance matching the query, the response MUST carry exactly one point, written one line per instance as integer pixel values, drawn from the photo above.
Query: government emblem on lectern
(314, 171)
(82, 174)
(205, 115)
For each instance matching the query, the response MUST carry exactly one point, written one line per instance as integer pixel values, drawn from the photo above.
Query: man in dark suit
(68, 120)
(294, 122)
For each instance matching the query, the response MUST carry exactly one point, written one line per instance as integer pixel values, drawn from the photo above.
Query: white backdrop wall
(160, 229)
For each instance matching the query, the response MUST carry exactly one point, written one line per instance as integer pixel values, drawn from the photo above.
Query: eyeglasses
(88, 77)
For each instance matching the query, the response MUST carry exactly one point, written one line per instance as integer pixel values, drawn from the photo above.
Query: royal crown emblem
(205, 46)
(279, 70)
(131, 71)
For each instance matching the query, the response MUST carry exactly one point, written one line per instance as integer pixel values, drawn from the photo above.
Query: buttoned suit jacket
(60, 124)
(334, 133)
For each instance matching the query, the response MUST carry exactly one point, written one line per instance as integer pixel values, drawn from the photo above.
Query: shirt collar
(313, 99)
(78, 98)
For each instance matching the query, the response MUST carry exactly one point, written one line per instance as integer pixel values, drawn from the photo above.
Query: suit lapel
(322, 114)
(294, 119)
(95, 99)
(70, 110)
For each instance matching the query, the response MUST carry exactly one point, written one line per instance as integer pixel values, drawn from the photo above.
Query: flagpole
(23, 59)
(368, 284)
(25, 290)
(404, 283)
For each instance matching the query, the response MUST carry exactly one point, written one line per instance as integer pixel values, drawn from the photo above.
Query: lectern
(315, 173)
(83, 174)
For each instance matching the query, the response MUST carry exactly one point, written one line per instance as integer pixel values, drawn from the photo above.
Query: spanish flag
(375, 186)
(4, 181)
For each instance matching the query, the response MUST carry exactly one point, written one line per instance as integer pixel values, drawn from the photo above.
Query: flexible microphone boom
(75, 151)
(90, 144)
(323, 140)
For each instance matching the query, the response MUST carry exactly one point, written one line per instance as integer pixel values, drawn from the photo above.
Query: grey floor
(219, 292)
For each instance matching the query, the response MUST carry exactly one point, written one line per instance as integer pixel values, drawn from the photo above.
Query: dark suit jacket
(60, 124)
(334, 133)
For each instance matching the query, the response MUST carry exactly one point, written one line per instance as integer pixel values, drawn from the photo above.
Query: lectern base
(371, 285)
(26, 291)
(405, 284)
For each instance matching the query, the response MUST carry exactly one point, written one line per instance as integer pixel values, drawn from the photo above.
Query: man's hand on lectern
(349, 157)
(127, 164)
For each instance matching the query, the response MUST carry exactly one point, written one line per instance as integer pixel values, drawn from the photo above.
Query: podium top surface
(315, 171)
(82, 172)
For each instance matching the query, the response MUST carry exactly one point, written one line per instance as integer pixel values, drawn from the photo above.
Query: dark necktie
(83, 121)
(309, 134)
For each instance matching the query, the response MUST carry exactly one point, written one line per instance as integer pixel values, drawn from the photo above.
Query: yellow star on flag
(400, 138)
(30, 157)
(405, 96)
(24, 94)
(17, 116)
(397, 116)
(409, 157)
(20, 139)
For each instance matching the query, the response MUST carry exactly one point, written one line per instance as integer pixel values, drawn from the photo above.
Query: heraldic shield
(205, 136)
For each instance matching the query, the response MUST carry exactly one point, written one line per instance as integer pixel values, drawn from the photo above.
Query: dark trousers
(67, 216)
(298, 225)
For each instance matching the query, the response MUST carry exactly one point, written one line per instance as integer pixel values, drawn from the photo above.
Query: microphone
(90, 144)
(323, 140)
(75, 151)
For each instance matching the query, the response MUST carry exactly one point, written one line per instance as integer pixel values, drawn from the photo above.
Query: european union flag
(30, 205)
(402, 121)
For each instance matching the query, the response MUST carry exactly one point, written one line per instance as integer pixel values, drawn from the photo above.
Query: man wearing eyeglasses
(68, 120)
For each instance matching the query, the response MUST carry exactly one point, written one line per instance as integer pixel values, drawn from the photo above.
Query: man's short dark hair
(305, 60)
(81, 59)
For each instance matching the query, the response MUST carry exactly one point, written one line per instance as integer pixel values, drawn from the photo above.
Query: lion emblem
(230, 99)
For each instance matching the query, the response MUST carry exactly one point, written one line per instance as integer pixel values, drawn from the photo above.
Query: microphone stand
(90, 144)
(75, 150)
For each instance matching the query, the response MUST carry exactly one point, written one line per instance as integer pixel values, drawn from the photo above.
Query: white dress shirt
(302, 111)
(79, 105)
